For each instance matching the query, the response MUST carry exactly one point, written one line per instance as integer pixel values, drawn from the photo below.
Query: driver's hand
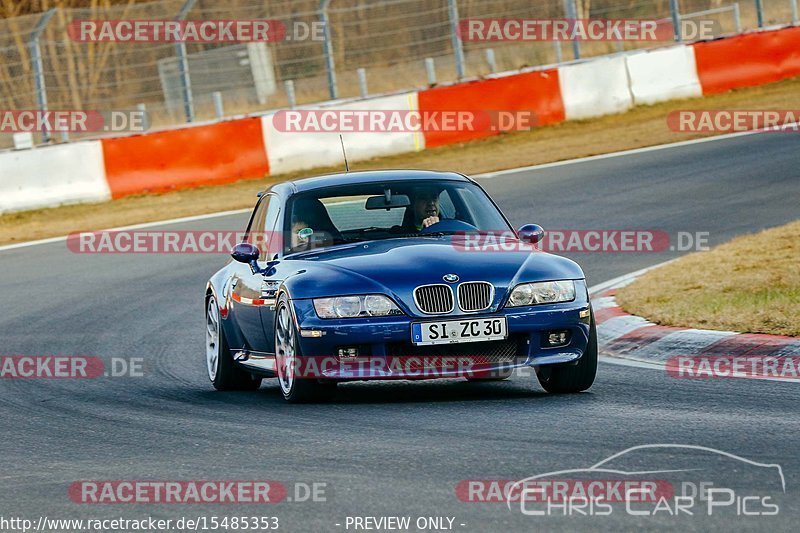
(430, 221)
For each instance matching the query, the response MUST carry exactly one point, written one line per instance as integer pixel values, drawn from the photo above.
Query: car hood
(397, 266)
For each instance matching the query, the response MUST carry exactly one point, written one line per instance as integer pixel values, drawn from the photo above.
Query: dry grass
(750, 284)
(642, 126)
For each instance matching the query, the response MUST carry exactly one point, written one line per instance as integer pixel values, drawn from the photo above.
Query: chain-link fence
(369, 46)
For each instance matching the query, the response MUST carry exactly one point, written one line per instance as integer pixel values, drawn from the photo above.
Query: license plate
(453, 331)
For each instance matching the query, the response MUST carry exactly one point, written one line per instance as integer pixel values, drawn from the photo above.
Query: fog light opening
(348, 352)
(555, 338)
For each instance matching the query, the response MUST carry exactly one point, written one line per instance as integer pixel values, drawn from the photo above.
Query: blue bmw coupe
(399, 274)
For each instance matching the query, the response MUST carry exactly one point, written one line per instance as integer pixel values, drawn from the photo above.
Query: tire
(495, 375)
(222, 371)
(572, 377)
(287, 349)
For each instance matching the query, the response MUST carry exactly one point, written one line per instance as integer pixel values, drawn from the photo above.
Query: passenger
(311, 225)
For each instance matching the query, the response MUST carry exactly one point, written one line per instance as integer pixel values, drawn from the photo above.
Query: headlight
(355, 306)
(546, 292)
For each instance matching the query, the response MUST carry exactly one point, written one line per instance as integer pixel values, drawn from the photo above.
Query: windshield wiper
(361, 231)
(437, 234)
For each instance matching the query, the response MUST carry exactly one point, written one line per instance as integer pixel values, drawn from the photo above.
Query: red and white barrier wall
(663, 74)
(748, 60)
(595, 87)
(531, 91)
(211, 154)
(52, 175)
(252, 147)
(293, 151)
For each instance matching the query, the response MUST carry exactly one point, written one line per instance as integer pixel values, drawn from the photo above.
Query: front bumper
(385, 350)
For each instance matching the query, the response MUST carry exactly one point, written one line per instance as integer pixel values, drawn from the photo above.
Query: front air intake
(434, 299)
(475, 296)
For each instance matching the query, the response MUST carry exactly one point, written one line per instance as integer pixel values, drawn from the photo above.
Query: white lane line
(623, 153)
(661, 367)
(632, 362)
(603, 303)
(792, 349)
(684, 342)
(614, 328)
(485, 175)
(134, 226)
(625, 279)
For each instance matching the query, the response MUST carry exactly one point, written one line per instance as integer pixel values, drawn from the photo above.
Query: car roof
(361, 177)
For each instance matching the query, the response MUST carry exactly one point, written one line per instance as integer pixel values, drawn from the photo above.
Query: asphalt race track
(394, 449)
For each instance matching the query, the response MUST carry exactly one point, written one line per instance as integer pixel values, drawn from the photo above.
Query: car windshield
(373, 211)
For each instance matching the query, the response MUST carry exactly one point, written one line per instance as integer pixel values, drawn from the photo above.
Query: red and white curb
(626, 338)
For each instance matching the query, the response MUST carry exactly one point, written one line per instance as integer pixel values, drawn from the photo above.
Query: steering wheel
(448, 225)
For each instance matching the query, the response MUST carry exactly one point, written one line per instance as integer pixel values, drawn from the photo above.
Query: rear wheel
(222, 371)
(572, 377)
(295, 389)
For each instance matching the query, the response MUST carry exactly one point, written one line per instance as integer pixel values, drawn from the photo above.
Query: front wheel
(222, 371)
(295, 388)
(572, 377)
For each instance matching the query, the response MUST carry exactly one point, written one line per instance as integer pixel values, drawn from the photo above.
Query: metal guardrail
(734, 8)
(385, 45)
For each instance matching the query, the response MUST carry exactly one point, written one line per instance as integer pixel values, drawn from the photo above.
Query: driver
(425, 208)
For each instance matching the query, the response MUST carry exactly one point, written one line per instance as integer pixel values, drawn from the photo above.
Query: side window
(261, 227)
(446, 207)
(272, 214)
(257, 221)
(274, 243)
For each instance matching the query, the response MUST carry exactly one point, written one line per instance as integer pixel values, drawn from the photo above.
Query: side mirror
(246, 253)
(531, 233)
